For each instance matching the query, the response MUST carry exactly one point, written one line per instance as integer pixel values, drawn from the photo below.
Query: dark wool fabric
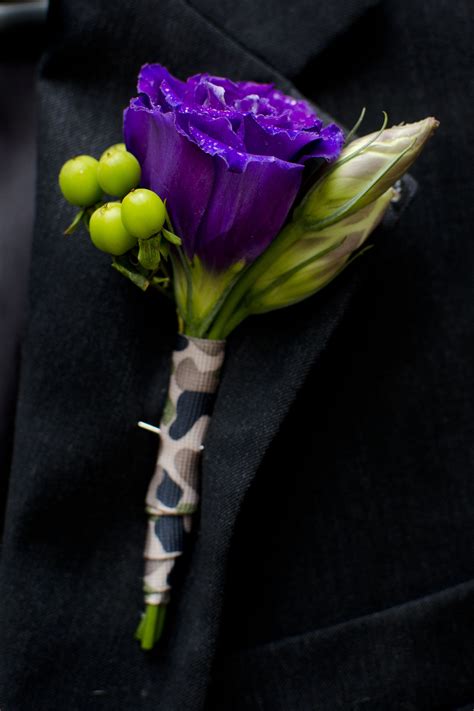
(332, 564)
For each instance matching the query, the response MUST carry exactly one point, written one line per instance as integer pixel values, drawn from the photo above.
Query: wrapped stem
(173, 494)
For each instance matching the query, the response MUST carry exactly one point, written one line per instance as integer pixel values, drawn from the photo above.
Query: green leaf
(171, 237)
(149, 252)
(75, 223)
(159, 280)
(123, 266)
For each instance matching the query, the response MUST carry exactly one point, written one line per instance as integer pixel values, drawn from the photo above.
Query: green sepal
(149, 252)
(355, 127)
(164, 249)
(199, 292)
(159, 281)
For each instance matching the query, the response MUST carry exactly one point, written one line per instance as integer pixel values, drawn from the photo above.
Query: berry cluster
(132, 224)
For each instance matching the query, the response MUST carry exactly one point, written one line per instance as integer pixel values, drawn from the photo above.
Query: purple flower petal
(292, 144)
(246, 210)
(150, 80)
(228, 157)
(172, 166)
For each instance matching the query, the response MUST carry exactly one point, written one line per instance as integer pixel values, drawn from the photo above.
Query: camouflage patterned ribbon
(173, 493)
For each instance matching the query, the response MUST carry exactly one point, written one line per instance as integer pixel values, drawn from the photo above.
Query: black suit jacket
(333, 559)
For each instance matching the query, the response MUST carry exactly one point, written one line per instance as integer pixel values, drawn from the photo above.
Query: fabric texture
(337, 473)
(17, 148)
(173, 494)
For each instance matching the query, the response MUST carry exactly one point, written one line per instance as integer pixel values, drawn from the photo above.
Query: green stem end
(151, 626)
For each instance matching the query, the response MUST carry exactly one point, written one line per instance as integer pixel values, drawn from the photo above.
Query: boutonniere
(233, 199)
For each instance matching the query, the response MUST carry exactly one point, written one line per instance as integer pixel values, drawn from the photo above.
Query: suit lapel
(285, 40)
(267, 364)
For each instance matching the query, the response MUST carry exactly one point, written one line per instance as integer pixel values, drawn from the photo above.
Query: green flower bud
(366, 169)
(315, 259)
(328, 226)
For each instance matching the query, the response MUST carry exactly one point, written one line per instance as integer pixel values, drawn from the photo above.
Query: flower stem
(151, 626)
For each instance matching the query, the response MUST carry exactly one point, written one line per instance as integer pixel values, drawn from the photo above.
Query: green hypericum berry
(108, 232)
(78, 181)
(114, 147)
(143, 213)
(118, 172)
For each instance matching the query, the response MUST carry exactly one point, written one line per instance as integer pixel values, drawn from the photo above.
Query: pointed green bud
(315, 259)
(365, 170)
(333, 220)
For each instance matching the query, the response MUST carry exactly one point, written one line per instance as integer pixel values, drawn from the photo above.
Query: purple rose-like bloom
(228, 157)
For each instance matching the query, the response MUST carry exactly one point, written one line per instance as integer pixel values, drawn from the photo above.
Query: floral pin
(233, 199)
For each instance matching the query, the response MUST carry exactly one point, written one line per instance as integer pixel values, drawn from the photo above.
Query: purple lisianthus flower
(228, 157)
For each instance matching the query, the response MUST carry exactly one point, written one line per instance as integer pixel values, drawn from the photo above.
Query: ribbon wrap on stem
(173, 494)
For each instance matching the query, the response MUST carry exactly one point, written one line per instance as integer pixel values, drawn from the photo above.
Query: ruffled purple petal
(333, 139)
(214, 135)
(150, 80)
(300, 112)
(291, 144)
(228, 156)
